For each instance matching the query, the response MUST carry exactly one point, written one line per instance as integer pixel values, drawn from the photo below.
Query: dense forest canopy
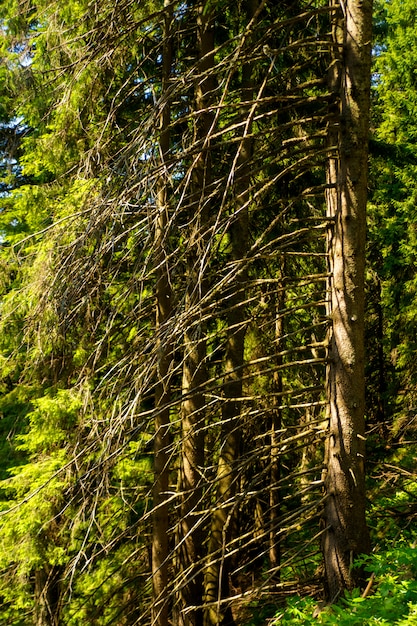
(208, 307)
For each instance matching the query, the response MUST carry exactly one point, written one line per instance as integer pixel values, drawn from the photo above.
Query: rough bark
(344, 515)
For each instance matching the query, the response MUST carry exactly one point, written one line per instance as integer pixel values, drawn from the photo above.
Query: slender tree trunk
(194, 369)
(276, 423)
(192, 479)
(160, 547)
(224, 521)
(344, 515)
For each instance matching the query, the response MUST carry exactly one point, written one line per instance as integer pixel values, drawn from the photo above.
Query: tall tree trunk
(276, 424)
(160, 547)
(194, 369)
(344, 515)
(224, 521)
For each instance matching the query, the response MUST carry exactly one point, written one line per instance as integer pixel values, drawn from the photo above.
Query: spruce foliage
(165, 321)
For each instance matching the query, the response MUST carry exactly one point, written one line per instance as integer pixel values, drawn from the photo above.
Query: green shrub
(392, 601)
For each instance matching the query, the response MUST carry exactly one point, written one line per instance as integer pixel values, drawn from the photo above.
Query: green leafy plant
(392, 601)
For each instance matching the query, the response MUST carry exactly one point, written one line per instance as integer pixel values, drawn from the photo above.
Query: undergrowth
(392, 601)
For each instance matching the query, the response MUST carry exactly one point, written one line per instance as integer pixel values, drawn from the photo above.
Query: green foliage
(392, 242)
(261, 613)
(392, 601)
(77, 282)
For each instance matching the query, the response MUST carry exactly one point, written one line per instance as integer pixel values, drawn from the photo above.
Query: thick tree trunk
(344, 515)
(194, 369)
(160, 518)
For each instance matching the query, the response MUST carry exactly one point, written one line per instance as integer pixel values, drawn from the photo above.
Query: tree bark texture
(347, 535)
